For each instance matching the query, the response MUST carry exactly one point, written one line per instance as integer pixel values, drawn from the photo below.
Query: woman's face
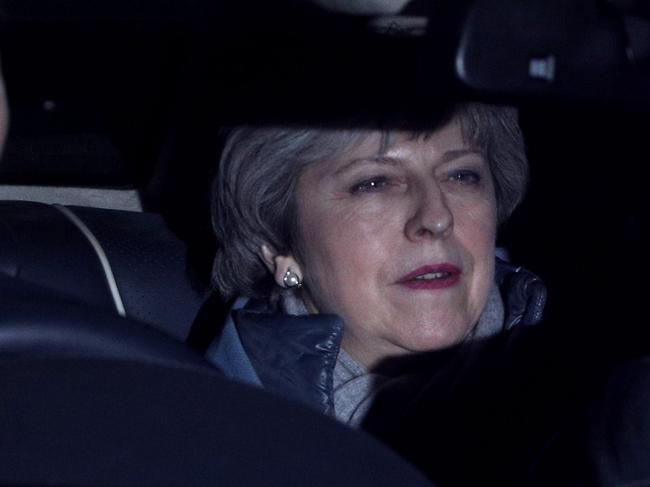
(400, 245)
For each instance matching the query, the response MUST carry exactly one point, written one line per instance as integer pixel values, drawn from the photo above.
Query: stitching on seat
(103, 260)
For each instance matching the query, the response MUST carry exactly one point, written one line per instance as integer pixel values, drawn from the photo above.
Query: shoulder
(227, 351)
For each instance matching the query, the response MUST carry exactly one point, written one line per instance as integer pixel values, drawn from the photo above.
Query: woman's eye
(369, 185)
(466, 176)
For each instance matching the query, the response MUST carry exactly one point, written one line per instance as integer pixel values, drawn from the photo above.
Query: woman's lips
(429, 277)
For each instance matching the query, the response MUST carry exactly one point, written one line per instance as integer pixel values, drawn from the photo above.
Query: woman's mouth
(438, 276)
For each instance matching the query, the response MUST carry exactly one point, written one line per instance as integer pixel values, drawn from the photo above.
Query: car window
(118, 113)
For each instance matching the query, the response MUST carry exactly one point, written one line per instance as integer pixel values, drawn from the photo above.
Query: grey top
(354, 389)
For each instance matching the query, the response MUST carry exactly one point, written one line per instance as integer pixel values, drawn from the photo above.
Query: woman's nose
(432, 217)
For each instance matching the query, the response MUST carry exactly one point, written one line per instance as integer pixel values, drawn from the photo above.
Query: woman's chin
(427, 338)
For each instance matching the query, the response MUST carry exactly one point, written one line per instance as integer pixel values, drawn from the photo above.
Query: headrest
(126, 262)
(98, 422)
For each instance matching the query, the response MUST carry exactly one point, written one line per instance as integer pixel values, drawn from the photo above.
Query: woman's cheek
(359, 229)
(375, 205)
(476, 209)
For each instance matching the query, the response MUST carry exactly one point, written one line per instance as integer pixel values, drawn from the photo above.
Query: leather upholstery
(38, 322)
(104, 422)
(40, 246)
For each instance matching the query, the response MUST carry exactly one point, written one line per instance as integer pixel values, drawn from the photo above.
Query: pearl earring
(291, 280)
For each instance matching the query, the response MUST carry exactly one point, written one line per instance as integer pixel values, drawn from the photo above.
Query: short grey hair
(253, 193)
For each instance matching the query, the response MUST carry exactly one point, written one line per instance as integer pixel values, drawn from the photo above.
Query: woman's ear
(267, 254)
(279, 265)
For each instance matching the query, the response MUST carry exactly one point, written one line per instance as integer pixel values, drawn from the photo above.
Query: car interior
(117, 113)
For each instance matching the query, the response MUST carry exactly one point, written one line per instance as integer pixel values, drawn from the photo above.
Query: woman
(348, 249)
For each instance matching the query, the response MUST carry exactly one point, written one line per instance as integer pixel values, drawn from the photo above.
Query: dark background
(133, 94)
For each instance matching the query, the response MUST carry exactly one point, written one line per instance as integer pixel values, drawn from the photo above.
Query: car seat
(127, 262)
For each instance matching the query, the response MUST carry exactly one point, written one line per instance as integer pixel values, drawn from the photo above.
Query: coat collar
(293, 355)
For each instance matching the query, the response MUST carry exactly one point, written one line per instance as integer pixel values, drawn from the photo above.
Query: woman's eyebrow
(450, 155)
(447, 156)
(378, 159)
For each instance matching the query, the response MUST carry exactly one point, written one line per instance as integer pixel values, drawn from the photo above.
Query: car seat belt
(208, 322)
